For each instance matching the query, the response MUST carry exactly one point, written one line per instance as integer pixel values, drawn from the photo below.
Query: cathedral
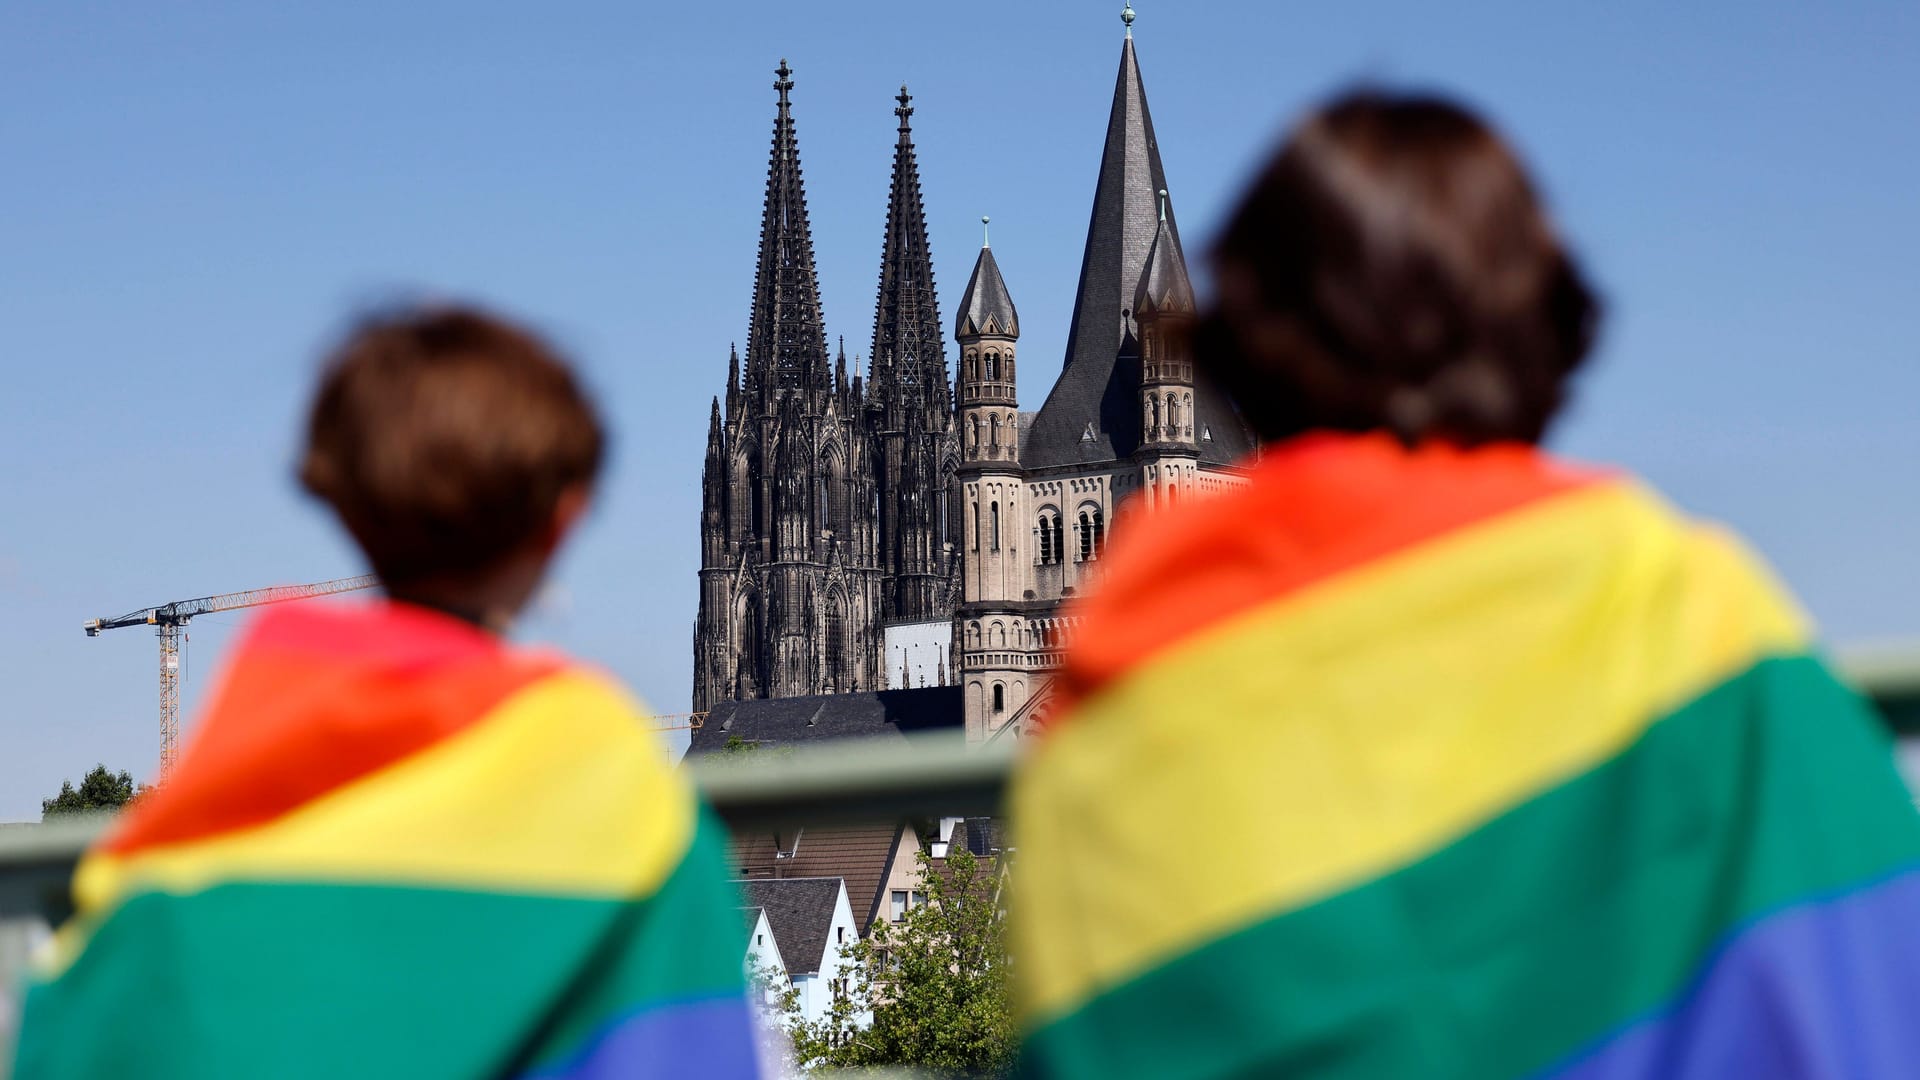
(839, 516)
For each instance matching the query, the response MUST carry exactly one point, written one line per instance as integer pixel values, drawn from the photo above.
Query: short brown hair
(1393, 268)
(444, 439)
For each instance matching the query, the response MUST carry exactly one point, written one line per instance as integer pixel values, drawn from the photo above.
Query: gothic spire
(909, 358)
(786, 338)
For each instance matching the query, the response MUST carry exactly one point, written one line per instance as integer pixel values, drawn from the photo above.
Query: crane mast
(170, 620)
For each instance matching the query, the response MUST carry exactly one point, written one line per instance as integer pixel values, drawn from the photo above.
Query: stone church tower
(1126, 423)
(824, 511)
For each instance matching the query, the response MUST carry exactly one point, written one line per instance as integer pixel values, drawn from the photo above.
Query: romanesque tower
(995, 544)
(1163, 310)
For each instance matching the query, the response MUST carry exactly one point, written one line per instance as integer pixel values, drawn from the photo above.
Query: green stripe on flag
(326, 980)
(1549, 926)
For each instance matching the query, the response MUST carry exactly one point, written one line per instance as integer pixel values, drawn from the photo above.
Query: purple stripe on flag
(1830, 988)
(710, 1037)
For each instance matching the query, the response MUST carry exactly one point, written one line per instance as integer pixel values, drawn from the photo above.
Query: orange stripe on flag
(319, 696)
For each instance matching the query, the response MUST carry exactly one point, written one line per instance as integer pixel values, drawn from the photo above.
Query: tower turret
(1163, 309)
(990, 623)
(987, 329)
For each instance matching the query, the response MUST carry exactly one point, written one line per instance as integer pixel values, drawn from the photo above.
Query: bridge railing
(818, 784)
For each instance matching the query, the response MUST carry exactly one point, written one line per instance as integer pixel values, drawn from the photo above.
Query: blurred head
(1392, 268)
(457, 449)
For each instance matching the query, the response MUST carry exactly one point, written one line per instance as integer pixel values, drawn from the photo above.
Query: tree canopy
(935, 984)
(98, 790)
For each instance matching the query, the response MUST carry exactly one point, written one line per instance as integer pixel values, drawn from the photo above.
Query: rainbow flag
(1457, 764)
(396, 848)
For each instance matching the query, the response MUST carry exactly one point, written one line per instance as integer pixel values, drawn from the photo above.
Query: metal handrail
(916, 776)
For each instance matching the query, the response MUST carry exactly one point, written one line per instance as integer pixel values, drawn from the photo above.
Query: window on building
(919, 899)
(993, 438)
(1099, 531)
(993, 366)
(899, 900)
(996, 526)
(1046, 539)
(1059, 541)
(1086, 536)
(976, 526)
(839, 935)
(999, 697)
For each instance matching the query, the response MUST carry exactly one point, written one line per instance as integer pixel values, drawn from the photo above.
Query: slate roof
(786, 721)
(800, 910)
(987, 299)
(1164, 285)
(862, 855)
(1099, 384)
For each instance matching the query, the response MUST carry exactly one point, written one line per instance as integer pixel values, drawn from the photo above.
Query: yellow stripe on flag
(559, 790)
(1346, 730)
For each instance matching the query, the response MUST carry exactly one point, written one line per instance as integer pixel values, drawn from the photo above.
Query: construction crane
(171, 619)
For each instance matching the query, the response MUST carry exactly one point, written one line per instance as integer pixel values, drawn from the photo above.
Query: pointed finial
(785, 81)
(1163, 204)
(983, 231)
(1126, 16)
(904, 110)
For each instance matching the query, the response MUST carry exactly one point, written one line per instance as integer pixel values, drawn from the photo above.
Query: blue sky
(193, 198)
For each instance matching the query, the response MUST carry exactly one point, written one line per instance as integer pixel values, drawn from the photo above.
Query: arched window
(995, 508)
(1173, 415)
(1046, 539)
(975, 508)
(836, 647)
(970, 366)
(973, 433)
(1086, 536)
(993, 438)
(1099, 531)
(993, 366)
(999, 697)
(1059, 541)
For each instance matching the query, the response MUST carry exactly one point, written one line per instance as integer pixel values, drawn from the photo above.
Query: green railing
(831, 782)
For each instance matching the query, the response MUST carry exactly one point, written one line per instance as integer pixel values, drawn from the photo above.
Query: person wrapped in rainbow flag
(395, 846)
(1424, 754)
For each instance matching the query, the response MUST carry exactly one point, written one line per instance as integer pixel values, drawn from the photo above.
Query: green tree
(935, 984)
(98, 790)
